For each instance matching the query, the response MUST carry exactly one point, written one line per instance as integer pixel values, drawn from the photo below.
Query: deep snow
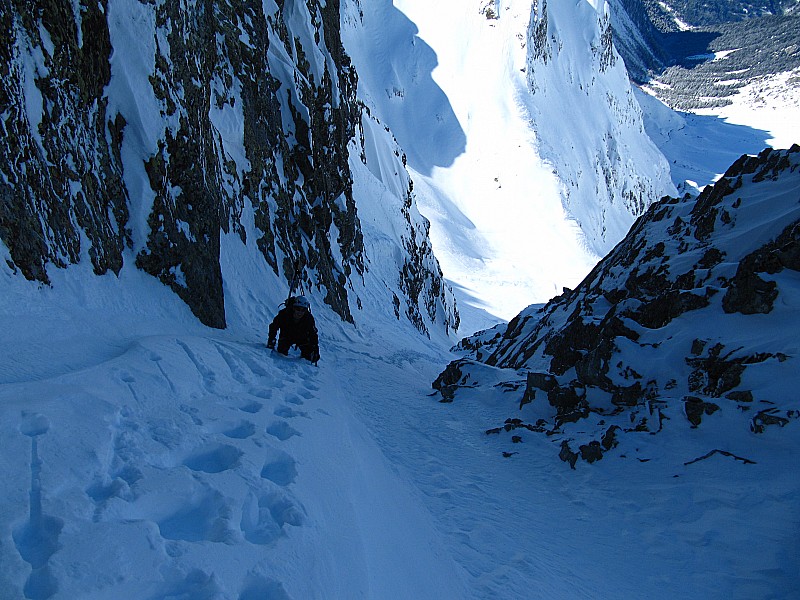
(176, 461)
(146, 456)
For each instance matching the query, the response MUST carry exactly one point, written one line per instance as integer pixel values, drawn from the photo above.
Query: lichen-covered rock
(695, 408)
(452, 378)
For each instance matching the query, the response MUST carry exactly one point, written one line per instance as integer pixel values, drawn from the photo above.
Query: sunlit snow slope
(494, 165)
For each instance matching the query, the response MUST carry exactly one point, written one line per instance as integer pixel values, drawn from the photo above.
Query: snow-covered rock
(691, 315)
(151, 133)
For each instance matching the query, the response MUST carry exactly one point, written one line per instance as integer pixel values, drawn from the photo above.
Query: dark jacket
(302, 332)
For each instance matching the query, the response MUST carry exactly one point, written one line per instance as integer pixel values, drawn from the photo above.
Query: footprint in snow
(121, 471)
(261, 392)
(296, 400)
(204, 518)
(280, 469)
(214, 458)
(281, 430)
(100, 491)
(241, 431)
(251, 407)
(237, 430)
(287, 412)
(265, 515)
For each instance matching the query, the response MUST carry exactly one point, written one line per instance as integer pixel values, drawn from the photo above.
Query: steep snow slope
(508, 169)
(589, 121)
(146, 456)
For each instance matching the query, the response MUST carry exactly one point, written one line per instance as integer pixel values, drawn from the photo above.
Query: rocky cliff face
(143, 131)
(690, 315)
(61, 175)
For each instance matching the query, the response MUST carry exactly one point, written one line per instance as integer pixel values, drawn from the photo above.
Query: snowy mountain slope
(150, 135)
(171, 460)
(610, 167)
(179, 461)
(148, 456)
(521, 157)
